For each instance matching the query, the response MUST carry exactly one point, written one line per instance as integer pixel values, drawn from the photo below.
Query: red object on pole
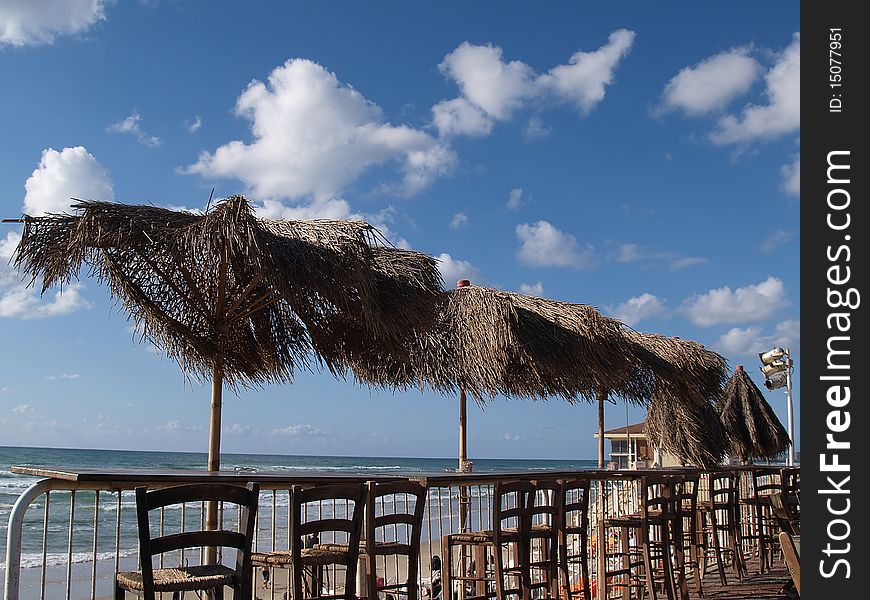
(738, 368)
(463, 283)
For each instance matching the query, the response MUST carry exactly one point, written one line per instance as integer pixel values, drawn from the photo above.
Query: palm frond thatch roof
(751, 426)
(227, 287)
(682, 418)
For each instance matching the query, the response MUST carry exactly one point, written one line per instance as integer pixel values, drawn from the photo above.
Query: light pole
(777, 367)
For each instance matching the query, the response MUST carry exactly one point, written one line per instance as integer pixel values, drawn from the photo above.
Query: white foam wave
(32, 560)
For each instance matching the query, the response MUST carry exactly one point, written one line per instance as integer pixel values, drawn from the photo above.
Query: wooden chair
(792, 558)
(687, 547)
(782, 512)
(308, 521)
(720, 526)
(511, 518)
(647, 563)
(210, 578)
(394, 533)
(574, 539)
(763, 523)
(545, 525)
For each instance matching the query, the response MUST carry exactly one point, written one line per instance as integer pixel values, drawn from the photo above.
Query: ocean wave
(345, 469)
(32, 560)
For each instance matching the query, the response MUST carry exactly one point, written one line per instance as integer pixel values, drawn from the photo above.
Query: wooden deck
(755, 587)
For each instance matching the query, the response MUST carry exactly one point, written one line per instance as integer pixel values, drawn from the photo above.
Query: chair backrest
(575, 505)
(241, 540)
(574, 520)
(394, 513)
(765, 482)
(685, 493)
(310, 520)
(792, 558)
(545, 508)
(512, 507)
(724, 489)
(784, 517)
(791, 484)
(656, 495)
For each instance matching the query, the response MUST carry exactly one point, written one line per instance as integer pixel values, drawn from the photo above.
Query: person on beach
(436, 577)
(265, 573)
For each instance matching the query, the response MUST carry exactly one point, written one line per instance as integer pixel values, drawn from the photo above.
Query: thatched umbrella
(686, 425)
(232, 297)
(751, 427)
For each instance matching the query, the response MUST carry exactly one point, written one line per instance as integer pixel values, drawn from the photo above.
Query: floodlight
(771, 355)
(773, 367)
(777, 381)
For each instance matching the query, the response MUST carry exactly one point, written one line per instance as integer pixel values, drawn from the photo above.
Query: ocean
(11, 486)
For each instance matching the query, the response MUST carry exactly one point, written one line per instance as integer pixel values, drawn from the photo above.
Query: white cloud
(70, 173)
(24, 303)
(751, 303)
(542, 245)
(780, 116)
(636, 309)
(175, 426)
(460, 219)
(711, 84)
(777, 239)
(63, 376)
(629, 253)
(515, 199)
(512, 437)
(791, 177)
(300, 430)
(453, 269)
(194, 126)
(237, 429)
(493, 90)
(582, 81)
(22, 409)
(460, 117)
(130, 125)
(24, 22)
(536, 129)
(313, 135)
(685, 262)
(532, 289)
(750, 341)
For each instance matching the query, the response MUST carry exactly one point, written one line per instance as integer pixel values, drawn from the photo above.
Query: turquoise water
(11, 486)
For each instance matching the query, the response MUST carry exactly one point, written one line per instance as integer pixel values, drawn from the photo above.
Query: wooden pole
(463, 431)
(214, 450)
(601, 542)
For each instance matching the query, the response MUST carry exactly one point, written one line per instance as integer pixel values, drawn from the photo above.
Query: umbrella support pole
(601, 571)
(214, 452)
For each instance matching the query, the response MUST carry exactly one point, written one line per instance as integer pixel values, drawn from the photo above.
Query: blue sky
(643, 159)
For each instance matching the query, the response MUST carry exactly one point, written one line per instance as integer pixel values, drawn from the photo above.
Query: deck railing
(76, 535)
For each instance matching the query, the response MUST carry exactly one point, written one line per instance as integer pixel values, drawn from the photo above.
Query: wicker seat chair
(720, 526)
(306, 561)
(149, 581)
(574, 539)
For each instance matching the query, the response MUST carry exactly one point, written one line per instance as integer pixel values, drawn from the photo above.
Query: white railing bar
(13, 536)
(96, 532)
(72, 522)
(44, 547)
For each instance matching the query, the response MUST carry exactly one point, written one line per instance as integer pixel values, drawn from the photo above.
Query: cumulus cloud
(494, 90)
(460, 219)
(791, 177)
(313, 135)
(25, 22)
(711, 84)
(685, 262)
(300, 430)
(515, 199)
(751, 340)
(782, 113)
(751, 303)
(72, 172)
(542, 245)
(130, 125)
(532, 289)
(60, 176)
(453, 269)
(24, 303)
(777, 239)
(636, 309)
(238, 429)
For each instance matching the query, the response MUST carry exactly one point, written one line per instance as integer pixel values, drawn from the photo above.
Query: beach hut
(234, 298)
(752, 428)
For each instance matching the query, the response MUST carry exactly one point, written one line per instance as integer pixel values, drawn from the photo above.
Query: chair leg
(119, 592)
(498, 563)
(446, 567)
